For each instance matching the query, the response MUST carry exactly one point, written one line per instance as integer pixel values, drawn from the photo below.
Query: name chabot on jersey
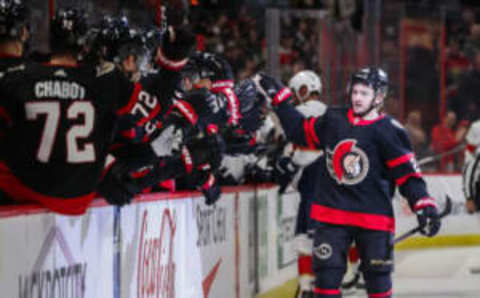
(59, 89)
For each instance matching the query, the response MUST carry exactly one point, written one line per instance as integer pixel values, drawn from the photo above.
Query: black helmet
(116, 40)
(374, 77)
(68, 30)
(202, 65)
(13, 17)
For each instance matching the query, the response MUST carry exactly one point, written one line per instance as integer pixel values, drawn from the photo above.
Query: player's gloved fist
(209, 149)
(211, 190)
(285, 171)
(427, 216)
(273, 91)
(177, 45)
(117, 187)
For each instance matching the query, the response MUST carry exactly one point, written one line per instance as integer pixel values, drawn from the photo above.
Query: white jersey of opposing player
(305, 156)
(471, 168)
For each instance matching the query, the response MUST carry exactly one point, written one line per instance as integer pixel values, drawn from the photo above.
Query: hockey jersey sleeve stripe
(321, 291)
(5, 116)
(400, 181)
(310, 134)
(400, 160)
(187, 160)
(281, 96)
(424, 202)
(168, 64)
(233, 106)
(380, 295)
(152, 115)
(351, 218)
(132, 101)
(15, 189)
(218, 86)
(186, 110)
(311, 124)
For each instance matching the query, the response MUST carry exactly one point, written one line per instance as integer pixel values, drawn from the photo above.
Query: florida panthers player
(307, 88)
(471, 169)
(367, 155)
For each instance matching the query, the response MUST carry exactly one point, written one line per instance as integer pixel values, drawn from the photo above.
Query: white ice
(439, 273)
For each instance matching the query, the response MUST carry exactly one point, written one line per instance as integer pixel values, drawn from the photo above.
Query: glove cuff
(169, 64)
(219, 85)
(423, 203)
(209, 183)
(187, 160)
(281, 96)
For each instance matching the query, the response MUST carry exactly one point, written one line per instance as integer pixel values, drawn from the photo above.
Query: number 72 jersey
(58, 123)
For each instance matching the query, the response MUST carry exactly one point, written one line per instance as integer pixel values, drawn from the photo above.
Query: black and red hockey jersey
(6, 62)
(61, 122)
(365, 161)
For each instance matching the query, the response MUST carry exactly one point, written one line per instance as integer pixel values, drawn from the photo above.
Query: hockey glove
(177, 45)
(285, 171)
(271, 89)
(427, 216)
(211, 190)
(117, 186)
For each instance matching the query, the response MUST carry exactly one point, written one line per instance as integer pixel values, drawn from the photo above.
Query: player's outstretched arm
(300, 130)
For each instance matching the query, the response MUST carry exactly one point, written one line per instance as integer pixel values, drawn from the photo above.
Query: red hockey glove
(427, 216)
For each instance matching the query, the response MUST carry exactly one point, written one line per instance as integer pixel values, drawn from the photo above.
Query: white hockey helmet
(306, 78)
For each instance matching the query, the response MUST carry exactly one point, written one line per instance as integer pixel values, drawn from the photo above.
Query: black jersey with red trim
(365, 161)
(62, 124)
(6, 62)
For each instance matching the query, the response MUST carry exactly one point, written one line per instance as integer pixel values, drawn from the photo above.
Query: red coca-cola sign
(156, 267)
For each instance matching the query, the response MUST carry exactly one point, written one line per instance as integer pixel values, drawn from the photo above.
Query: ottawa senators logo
(347, 164)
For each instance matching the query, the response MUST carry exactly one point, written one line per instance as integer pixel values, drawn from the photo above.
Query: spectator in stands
(445, 137)
(467, 102)
(457, 64)
(417, 134)
(472, 42)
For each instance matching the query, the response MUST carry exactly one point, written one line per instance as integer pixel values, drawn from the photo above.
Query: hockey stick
(351, 283)
(446, 211)
(436, 157)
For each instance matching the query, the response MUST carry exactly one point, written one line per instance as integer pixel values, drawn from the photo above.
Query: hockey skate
(305, 286)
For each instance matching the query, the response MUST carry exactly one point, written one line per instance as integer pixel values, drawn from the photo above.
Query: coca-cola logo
(156, 268)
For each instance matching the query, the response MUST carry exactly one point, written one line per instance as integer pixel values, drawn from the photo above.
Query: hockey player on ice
(307, 88)
(356, 205)
(471, 169)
